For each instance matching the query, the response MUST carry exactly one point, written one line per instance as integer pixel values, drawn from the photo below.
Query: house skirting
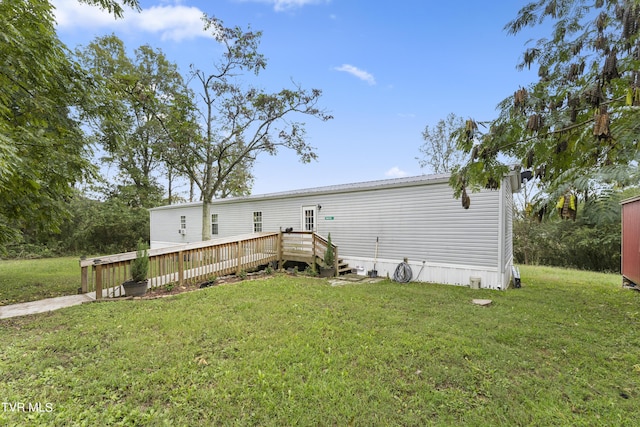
(429, 272)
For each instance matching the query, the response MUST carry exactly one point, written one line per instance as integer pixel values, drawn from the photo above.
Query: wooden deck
(201, 261)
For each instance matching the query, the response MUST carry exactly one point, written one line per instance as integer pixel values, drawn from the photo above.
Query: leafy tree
(114, 7)
(42, 148)
(439, 151)
(591, 242)
(129, 94)
(92, 226)
(577, 126)
(102, 227)
(239, 123)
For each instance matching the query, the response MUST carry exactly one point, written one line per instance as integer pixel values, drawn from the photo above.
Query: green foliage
(295, 351)
(577, 126)
(565, 243)
(591, 242)
(243, 274)
(329, 257)
(140, 265)
(134, 109)
(114, 7)
(93, 227)
(43, 152)
(310, 271)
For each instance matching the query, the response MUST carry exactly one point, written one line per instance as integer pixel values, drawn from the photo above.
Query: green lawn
(32, 280)
(563, 350)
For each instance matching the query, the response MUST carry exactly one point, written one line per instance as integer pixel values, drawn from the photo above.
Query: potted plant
(329, 268)
(137, 286)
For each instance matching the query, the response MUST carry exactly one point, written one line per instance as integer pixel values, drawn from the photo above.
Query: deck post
(98, 282)
(84, 279)
(279, 245)
(335, 261)
(239, 266)
(180, 268)
(313, 250)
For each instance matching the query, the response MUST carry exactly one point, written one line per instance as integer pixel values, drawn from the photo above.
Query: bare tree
(238, 123)
(439, 151)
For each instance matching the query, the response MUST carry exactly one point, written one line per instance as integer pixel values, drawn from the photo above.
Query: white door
(308, 218)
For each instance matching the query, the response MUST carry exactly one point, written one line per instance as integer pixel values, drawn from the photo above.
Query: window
(214, 224)
(183, 225)
(257, 222)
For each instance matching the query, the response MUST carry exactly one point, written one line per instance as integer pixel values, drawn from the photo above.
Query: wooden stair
(308, 248)
(343, 267)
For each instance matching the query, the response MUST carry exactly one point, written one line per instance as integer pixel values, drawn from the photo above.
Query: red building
(631, 240)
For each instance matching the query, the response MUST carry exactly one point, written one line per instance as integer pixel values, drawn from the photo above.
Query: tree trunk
(170, 185)
(206, 215)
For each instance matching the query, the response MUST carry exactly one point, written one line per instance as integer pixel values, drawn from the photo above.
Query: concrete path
(44, 305)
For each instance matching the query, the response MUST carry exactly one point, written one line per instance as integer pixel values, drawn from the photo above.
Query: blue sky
(386, 68)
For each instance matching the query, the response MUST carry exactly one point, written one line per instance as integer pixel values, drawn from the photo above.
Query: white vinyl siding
(166, 226)
(417, 218)
(423, 221)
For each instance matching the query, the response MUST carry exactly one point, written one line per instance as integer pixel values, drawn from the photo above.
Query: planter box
(327, 272)
(135, 289)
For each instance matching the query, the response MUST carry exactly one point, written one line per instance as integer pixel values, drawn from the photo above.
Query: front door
(308, 218)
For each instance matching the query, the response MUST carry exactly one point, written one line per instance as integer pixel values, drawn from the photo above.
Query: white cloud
(171, 21)
(282, 5)
(395, 172)
(71, 13)
(355, 71)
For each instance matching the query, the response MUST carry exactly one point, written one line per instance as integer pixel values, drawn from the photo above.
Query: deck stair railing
(201, 261)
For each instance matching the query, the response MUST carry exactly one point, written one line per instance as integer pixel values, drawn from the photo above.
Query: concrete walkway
(44, 305)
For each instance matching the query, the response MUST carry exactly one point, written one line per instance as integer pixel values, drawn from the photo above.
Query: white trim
(501, 225)
(303, 217)
(506, 273)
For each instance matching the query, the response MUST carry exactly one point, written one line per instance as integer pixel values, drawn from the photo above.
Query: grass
(562, 350)
(32, 280)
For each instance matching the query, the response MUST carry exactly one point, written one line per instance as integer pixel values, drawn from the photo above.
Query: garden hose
(403, 273)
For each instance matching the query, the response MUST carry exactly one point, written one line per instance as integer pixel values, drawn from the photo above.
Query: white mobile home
(415, 218)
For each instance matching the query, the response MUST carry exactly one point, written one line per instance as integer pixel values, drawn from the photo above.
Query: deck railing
(305, 247)
(202, 261)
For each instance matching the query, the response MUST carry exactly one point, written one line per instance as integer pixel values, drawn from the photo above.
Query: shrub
(329, 257)
(140, 265)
